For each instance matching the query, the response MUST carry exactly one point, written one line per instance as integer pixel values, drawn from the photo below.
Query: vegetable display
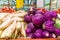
(35, 23)
(12, 25)
(42, 24)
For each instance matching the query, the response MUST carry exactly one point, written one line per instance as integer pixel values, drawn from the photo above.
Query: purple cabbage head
(45, 34)
(57, 31)
(27, 18)
(31, 35)
(49, 23)
(31, 25)
(28, 30)
(54, 14)
(50, 15)
(49, 26)
(38, 19)
(38, 33)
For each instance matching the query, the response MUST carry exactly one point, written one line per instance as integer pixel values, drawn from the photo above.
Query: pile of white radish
(12, 25)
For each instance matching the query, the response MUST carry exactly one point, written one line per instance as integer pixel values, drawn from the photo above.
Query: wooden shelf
(33, 39)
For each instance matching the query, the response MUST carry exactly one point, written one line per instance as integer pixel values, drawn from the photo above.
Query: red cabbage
(31, 35)
(49, 23)
(38, 33)
(31, 25)
(27, 18)
(54, 14)
(28, 30)
(50, 15)
(57, 31)
(49, 26)
(38, 19)
(45, 34)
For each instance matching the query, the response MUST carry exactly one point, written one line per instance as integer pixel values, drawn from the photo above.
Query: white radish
(5, 24)
(18, 19)
(25, 25)
(1, 32)
(2, 15)
(0, 22)
(20, 11)
(23, 30)
(20, 14)
(9, 31)
(18, 26)
(8, 17)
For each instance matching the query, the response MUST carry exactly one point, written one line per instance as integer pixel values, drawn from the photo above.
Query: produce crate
(33, 39)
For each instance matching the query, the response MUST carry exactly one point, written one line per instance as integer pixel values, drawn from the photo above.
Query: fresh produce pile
(42, 24)
(7, 10)
(12, 25)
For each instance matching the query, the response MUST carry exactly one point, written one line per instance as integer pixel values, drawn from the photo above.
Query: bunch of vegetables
(6, 9)
(41, 25)
(12, 25)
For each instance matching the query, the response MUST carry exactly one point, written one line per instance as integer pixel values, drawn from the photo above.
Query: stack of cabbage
(41, 25)
(12, 25)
